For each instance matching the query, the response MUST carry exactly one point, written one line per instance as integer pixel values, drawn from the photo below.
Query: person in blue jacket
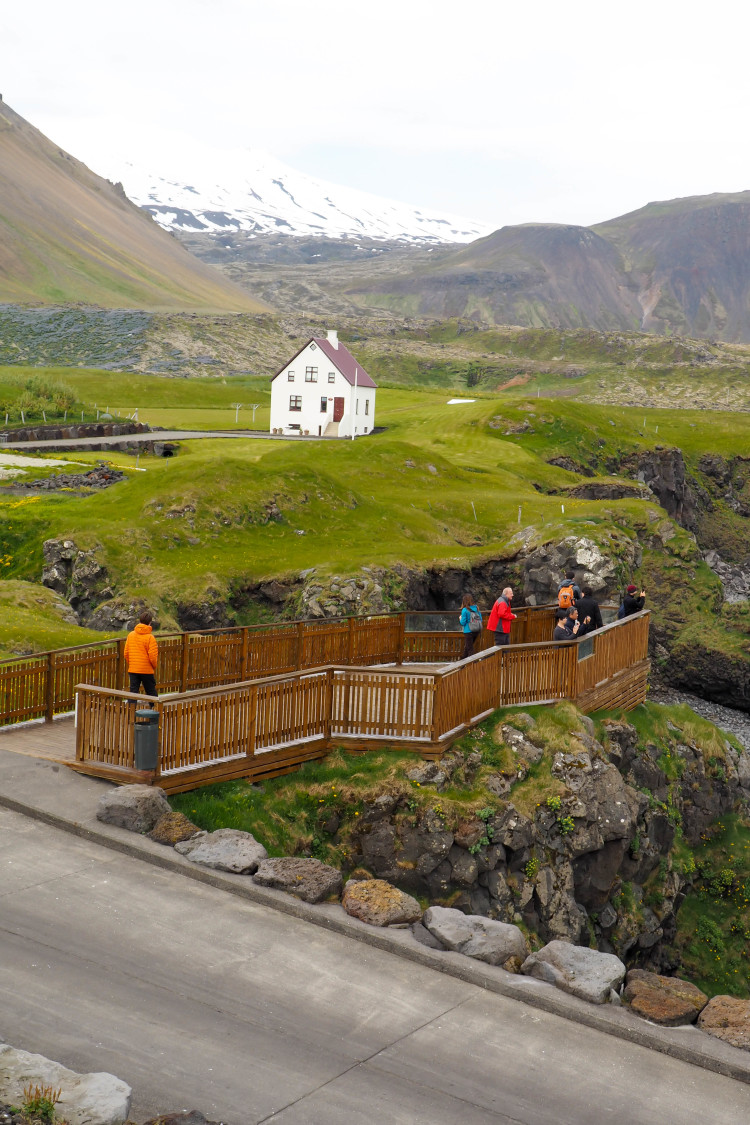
(471, 623)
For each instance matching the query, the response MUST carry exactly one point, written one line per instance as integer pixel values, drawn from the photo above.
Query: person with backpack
(588, 606)
(631, 603)
(471, 623)
(501, 616)
(568, 592)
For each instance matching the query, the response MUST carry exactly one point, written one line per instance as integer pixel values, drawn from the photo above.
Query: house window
(367, 406)
(311, 374)
(290, 376)
(294, 426)
(323, 404)
(365, 429)
(331, 376)
(295, 402)
(312, 347)
(356, 407)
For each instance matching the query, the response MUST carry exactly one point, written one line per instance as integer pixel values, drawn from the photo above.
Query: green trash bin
(146, 739)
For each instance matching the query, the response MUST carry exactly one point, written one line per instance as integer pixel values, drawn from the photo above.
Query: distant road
(200, 999)
(153, 435)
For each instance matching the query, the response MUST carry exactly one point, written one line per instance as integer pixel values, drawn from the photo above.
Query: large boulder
(668, 1001)
(308, 879)
(727, 1018)
(86, 1099)
(582, 972)
(227, 849)
(496, 943)
(379, 904)
(135, 807)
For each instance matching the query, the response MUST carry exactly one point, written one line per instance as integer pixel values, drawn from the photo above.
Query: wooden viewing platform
(260, 700)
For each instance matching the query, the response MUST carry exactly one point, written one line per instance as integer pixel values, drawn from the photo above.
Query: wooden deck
(55, 742)
(308, 690)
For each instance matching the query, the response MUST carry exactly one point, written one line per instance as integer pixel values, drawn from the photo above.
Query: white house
(323, 391)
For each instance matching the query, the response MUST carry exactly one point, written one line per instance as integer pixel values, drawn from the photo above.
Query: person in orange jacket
(141, 652)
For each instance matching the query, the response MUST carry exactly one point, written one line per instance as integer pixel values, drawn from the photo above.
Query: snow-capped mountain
(246, 190)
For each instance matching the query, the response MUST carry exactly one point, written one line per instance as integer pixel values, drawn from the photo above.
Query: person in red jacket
(141, 652)
(501, 616)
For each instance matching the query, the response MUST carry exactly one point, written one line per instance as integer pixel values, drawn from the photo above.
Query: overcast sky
(504, 113)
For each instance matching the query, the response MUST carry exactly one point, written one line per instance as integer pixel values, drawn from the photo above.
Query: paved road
(153, 435)
(200, 999)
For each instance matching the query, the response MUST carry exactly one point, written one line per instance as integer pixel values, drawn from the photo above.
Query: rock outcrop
(483, 939)
(668, 1001)
(585, 973)
(227, 849)
(138, 808)
(379, 904)
(85, 1099)
(727, 1018)
(308, 879)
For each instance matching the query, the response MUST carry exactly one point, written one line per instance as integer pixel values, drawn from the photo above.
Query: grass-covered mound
(37, 620)
(676, 899)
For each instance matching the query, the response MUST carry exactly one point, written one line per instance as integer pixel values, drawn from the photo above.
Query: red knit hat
(631, 589)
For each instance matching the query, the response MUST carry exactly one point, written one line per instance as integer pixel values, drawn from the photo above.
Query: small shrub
(554, 803)
(532, 867)
(565, 825)
(39, 1102)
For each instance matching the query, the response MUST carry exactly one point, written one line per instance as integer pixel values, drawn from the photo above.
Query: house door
(338, 409)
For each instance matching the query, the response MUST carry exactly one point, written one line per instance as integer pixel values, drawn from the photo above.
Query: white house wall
(310, 417)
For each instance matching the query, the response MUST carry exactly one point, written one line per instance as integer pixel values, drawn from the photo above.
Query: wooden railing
(271, 725)
(42, 686)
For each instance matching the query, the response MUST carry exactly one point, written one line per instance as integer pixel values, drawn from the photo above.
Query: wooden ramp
(55, 742)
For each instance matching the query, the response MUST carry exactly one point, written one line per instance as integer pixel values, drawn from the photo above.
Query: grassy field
(443, 482)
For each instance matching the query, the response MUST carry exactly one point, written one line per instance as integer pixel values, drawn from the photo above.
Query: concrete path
(200, 999)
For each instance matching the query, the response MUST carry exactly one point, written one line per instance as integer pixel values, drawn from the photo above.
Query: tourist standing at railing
(501, 616)
(141, 653)
(471, 623)
(568, 592)
(588, 606)
(631, 603)
(569, 627)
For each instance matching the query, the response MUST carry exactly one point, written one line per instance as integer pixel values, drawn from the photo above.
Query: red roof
(341, 358)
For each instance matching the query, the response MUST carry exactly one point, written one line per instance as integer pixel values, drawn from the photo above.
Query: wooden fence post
(401, 632)
(328, 706)
(184, 662)
(300, 643)
(436, 696)
(250, 751)
(350, 643)
(120, 668)
(243, 656)
(49, 709)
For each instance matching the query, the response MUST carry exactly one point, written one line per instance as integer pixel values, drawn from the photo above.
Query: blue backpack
(621, 611)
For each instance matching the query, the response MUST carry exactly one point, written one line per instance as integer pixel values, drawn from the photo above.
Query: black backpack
(475, 621)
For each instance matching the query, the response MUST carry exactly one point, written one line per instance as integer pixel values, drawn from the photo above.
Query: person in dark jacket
(588, 606)
(569, 626)
(631, 603)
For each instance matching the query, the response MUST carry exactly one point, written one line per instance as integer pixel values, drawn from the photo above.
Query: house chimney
(333, 337)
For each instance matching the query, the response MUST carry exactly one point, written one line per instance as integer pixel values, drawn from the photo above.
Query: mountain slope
(692, 260)
(66, 234)
(680, 266)
(212, 190)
